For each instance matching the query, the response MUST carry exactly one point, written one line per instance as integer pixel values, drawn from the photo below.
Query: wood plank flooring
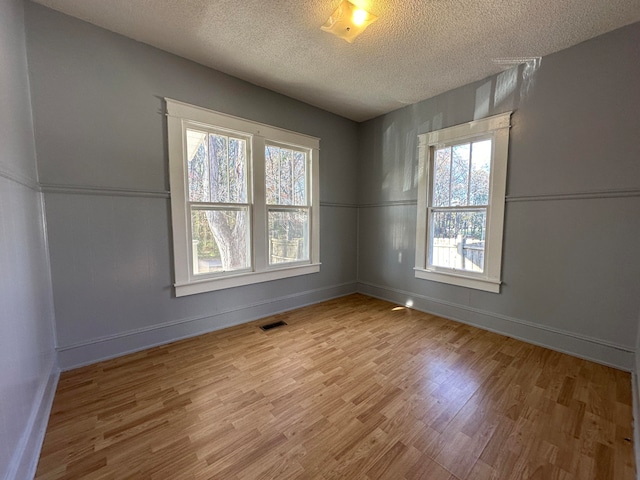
(352, 388)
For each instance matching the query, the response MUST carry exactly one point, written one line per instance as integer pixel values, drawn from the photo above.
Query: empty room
(319, 240)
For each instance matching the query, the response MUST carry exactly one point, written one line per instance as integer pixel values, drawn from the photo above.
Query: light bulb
(359, 16)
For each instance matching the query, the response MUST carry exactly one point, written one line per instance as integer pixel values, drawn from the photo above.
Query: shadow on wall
(400, 129)
(399, 135)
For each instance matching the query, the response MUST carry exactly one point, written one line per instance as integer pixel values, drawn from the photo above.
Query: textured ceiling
(416, 49)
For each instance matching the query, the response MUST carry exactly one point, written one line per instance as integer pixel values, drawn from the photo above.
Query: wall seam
(127, 192)
(103, 191)
(594, 194)
(585, 195)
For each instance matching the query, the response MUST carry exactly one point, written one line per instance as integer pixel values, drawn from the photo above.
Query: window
(462, 181)
(244, 200)
(287, 205)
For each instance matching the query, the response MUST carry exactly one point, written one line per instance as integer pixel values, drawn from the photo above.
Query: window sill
(485, 284)
(248, 278)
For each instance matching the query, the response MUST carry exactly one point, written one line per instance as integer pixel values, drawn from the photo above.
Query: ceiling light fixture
(348, 21)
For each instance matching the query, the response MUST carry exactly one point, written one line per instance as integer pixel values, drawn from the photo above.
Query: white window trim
(178, 115)
(497, 128)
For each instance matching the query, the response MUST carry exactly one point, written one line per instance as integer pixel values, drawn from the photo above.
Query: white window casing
(495, 128)
(181, 116)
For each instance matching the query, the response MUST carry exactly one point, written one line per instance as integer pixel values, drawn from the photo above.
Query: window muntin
(224, 213)
(461, 192)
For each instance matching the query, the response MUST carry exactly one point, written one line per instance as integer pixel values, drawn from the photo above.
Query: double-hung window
(244, 200)
(461, 195)
(219, 204)
(287, 203)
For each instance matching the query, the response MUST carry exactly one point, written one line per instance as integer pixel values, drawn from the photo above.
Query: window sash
(431, 241)
(220, 207)
(307, 170)
(449, 145)
(306, 235)
(210, 130)
(469, 208)
(286, 208)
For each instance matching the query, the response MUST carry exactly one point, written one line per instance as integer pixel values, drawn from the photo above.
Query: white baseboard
(606, 353)
(25, 458)
(104, 348)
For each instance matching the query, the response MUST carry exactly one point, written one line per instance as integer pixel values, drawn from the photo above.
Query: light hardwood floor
(352, 388)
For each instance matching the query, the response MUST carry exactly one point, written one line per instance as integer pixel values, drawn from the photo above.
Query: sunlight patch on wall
(528, 76)
(437, 121)
(506, 84)
(409, 158)
(389, 155)
(483, 101)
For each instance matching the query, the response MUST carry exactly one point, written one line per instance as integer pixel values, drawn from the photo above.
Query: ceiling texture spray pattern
(417, 49)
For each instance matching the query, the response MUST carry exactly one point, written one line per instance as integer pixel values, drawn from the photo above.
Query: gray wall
(571, 270)
(100, 134)
(27, 376)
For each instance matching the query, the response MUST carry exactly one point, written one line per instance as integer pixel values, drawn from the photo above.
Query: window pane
(237, 177)
(198, 166)
(220, 240)
(457, 240)
(442, 177)
(299, 178)
(285, 176)
(272, 173)
(460, 174)
(480, 173)
(288, 236)
(228, 165)
(286, 184)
